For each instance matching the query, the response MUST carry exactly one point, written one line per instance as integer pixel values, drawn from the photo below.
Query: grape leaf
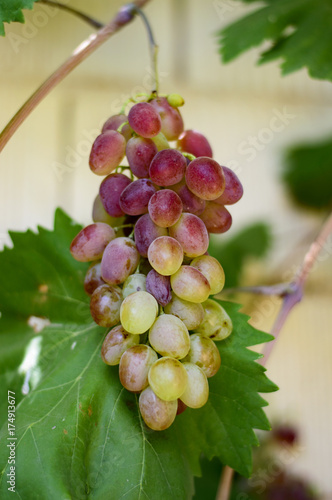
(77, 429)
(308, 174)
(299, 31)
(11, 11)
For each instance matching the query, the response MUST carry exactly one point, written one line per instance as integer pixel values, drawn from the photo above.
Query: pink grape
(119, 260)
(212, 270)
(190, 284)
(114, 122)
(91, 242)
(191, 203)
(105, 305)
(144, 120)
(140, 153)
(159, 286)
(204, 353)
(110, 191)
(205, 178)
(93, 278)
(233, 188)
(157, 413)
(107, 152)
(191, 233)
(195, 143)
(134, 200)
(216, 218)
(99, 214)
(134, 367)
(146, 231)
(171, 120)
(165, 255)
(116, 342)
(165, 208)
(167, 167)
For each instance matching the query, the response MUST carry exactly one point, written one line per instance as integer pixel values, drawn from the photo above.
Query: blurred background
(255, 120)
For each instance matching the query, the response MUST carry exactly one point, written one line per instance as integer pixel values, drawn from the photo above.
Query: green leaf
(251, 242)
(11, 11)
(308, 174)
(78, 430)
(299, 32)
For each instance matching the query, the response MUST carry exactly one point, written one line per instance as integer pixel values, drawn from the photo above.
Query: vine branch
(84, 17)
(123, 17)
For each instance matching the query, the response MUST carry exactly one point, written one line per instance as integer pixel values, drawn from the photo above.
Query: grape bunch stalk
(151, 275)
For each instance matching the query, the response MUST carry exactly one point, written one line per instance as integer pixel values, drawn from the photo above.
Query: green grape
(134, 283)
(169, 336)
(196, 393)
(190, 284)
(134, 367)
(190, 313)
(156, 413)
(204, 353)
(212, 270)
(116, 342)
(168, 378)
(165, 255)
(175, 100)
(216, 325)
(161, 142)
(138, 312)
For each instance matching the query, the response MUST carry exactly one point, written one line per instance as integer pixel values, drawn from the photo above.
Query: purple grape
(114, 122)
(160, 287)
(165, 208)
(107, 152)
(205, 178)
(167, 167)
(134, 200)
(216, 218)
(233, 188)
(140, 153)
(119, 260)
(171, 120)
(110, 191)
(144, 120)
(91, 242)
(192, 235)
(146, 231)
(195, 143)
(191, 203)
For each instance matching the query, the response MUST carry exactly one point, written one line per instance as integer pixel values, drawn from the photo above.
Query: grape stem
(121, 19)
(291, 293)
(84, 17)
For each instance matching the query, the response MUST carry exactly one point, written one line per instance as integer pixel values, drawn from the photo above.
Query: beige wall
(39, 170)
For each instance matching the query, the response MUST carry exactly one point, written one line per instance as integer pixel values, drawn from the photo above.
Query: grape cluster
(151, 276)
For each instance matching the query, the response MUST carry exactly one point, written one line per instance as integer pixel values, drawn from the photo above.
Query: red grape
(114, 122)
(195, 143)
(159, 286)
(192, 234)
(205, 178)
(146, 231)
(140, 153)
(110, 191)
(144, 120)
(105, 305)
(91, 241)
(134, 200)
(167, 167)
(191, 202)
(165, 208)
(171, 120)
(107, 152)
(233, 188)
(216, 218)
(93, 278)
(120, 259)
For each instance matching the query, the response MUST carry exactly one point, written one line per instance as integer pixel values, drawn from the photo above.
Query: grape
(167, 167)
(134, 283)
(161, 142)
(159, 286)
(204, 353)
(99, 214)
(107, 152)
(110, 191)
(216, 218)
(116, 342)
(191, 203)
(165, 208)
(169, 336)
(114, 122)
(192, 234)
(156, 413)
(212, 270)
(171, 120)
(181, 407)
(168, 378)
(135, 198)
(119, 260)
(91, 242)
(146, 231)
(138, 312)
(165, 255)
(93, 278)
(195, 143)
(205, 178)
(233, 188)
(105, 305)
(190, 284)
(134, 367)
(190, 313)
(216, 325)
(197, 390)
(140, 153)
(144, 120)
(175, 100)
